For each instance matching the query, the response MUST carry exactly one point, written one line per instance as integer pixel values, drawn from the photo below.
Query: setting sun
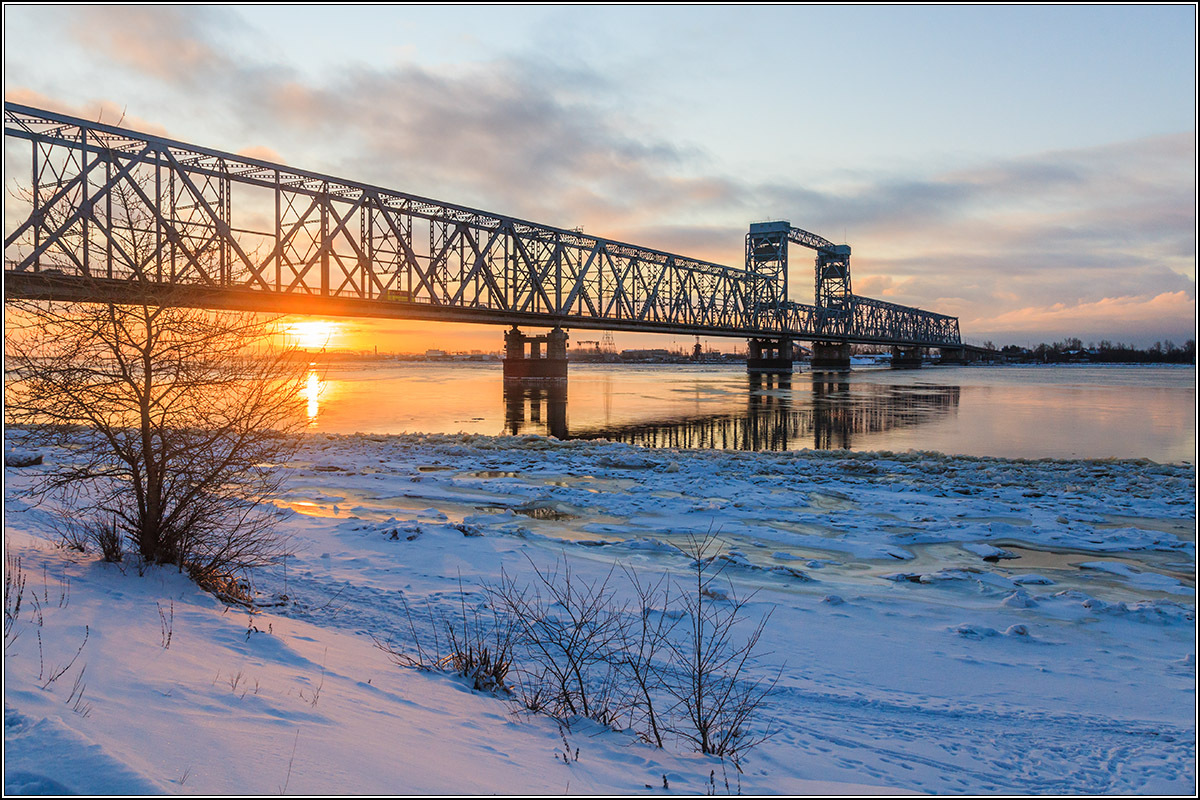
(313, 334)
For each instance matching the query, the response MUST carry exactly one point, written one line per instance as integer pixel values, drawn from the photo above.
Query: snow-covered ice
(948, 625)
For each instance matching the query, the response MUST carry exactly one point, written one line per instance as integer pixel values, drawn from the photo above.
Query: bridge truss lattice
(107, 206)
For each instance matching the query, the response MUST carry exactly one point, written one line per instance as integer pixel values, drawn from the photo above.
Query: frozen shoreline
(919, 655)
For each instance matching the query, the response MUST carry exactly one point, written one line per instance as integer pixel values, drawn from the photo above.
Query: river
(1007, 411)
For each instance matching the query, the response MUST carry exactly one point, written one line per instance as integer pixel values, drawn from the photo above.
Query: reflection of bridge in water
(836, 416)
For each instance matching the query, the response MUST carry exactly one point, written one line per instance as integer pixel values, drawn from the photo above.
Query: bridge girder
(108, 206)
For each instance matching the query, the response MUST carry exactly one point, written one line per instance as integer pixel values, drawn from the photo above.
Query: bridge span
(114, 215)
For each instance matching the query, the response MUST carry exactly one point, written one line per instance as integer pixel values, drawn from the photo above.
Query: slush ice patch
(945, 575)
(646, 543)
(987, 551)
(1019, 599)
(900, 577)
(975, 631)
(17, 458)
(1151, 581)
(792, 572)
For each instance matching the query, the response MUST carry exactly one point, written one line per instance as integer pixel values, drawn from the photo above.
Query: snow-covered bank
(945, 625)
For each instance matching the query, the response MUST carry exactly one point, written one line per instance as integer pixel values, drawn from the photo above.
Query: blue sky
(1030, 169)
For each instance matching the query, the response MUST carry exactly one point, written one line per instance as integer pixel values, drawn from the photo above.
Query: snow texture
(943, 625)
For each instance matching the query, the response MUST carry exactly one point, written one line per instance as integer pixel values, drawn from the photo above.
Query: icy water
(1006, 411)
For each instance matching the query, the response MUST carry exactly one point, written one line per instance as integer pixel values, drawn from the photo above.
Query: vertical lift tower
(767, 259)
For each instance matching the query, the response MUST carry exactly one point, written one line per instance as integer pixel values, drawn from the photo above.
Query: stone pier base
(535, 357)
(831, 356)
(770, 355)
(906, 357)
(952, 355)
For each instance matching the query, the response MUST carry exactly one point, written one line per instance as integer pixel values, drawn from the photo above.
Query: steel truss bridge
(111, 214)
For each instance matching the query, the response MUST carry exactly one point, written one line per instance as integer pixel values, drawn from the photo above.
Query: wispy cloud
(173, 43)
(1150, 316)
(106, 111)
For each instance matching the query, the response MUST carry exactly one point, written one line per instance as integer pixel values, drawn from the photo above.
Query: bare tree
(646, 640)
(570, 630)
(677, 662)
(176, 418)
(717, 699)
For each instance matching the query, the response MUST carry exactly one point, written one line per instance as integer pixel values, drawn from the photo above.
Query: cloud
(1140, 186)
(520, 135)
(722, 245)
(538, 139)
(1138, 317)
(103, 111)
(261, 153)
(1112, 222)
(175, 43)
(884, 287)
(509, 133)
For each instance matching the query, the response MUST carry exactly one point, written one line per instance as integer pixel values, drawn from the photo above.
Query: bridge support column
(769, 355)
(906, 357)
(952, 355)
(556, 347)
(831, 356)
(523, 358)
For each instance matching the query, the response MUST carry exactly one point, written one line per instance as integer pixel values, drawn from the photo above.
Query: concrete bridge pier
(831, 356)
(769, 355)
(524, 359)
(952, 355)
(906, 357)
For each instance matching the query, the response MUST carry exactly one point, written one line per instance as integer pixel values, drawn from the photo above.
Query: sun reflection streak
(312, 392)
